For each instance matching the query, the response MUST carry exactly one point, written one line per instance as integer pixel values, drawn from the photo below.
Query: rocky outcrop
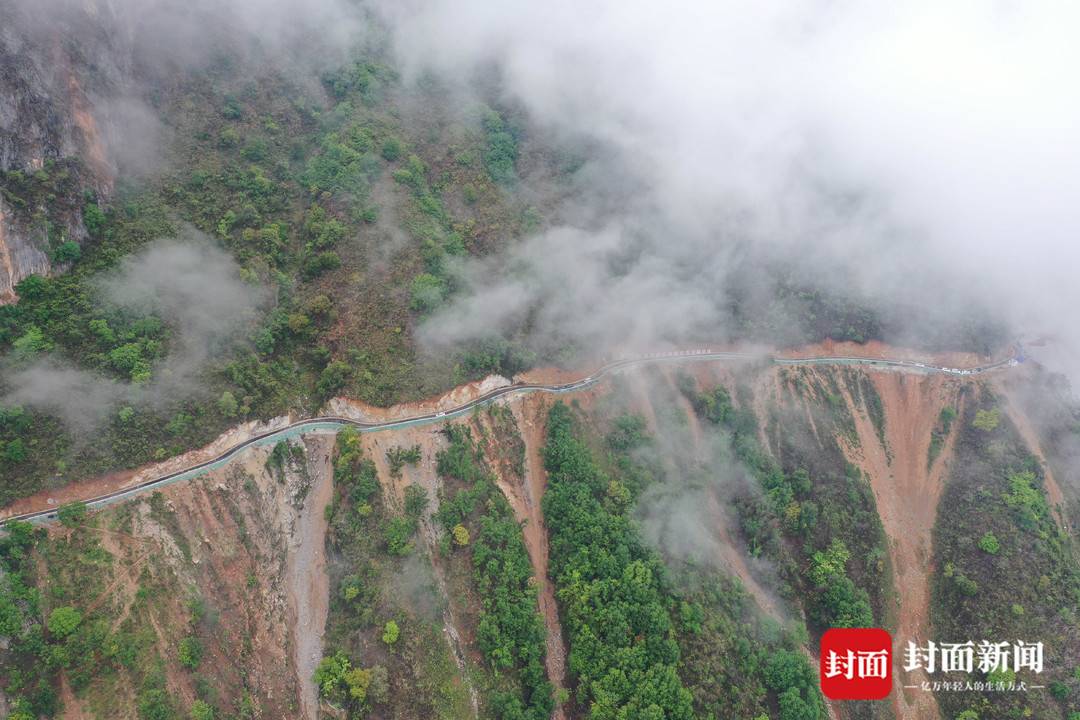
(20, 255)
(62, 64)
(58, 60)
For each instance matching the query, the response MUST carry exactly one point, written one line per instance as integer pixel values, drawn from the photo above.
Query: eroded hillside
(209, 591)
(450, 570)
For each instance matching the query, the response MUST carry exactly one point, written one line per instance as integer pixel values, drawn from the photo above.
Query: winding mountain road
(334, 423)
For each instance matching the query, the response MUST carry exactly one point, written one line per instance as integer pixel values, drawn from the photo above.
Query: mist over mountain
(310, 403)
(918, 162)
(186, 282)
(921, 159)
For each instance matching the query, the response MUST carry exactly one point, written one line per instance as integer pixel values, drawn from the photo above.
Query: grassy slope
(137, 611)
(810, 513)
(1023, 586)
(370, 544)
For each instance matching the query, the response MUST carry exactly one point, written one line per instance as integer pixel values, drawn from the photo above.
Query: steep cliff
(20, 253)
(54, 128)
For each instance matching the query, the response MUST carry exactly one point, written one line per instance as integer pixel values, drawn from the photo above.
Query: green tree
(155, 704)
(330, 676)
(14, 451)
(67, 252)
(397, 534)
(428, 292)
(790, 676)
(201, 710)
(31, 342)
(93, 219)
(628, 432)
(987, 420)
(129, 358)
(793, 706)
(358, 681)
(190, 652)
(339, 682)
(840, 602)
(989, 543)
(317, 264)
(606, 577)
(100, 327)
(71, 514)
(416, 501)
(1026, 499)
(399, 457)
(501, 153)
(63, 621)
(333, 378)
(391, 149)
(227, 404)
(391, 631)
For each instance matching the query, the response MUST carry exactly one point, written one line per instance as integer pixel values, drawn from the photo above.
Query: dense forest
(646, 639)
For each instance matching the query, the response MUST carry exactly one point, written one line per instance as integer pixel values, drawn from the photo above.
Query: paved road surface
(334, 424)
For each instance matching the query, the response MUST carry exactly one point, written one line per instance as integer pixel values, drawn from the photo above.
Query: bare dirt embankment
(357, 410)
(73, 707)
(524, 488)
(1026, 429)
(288, 562)
(308, 582)
(343, 407)
(906, 490)
(245, 544)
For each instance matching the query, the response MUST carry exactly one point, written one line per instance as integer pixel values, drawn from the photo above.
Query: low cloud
(686, 515)
(81, 399)
(917, 156)
(573, 284)
(195, 288)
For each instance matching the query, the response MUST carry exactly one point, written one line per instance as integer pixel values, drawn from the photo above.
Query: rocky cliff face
(59, 62)
(21, 253)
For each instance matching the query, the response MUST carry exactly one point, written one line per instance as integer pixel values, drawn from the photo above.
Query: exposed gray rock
(58, 60)
(20, 254)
